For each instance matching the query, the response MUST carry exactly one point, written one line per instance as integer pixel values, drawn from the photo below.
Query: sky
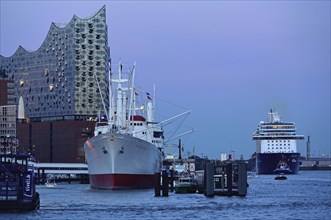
(228, 62)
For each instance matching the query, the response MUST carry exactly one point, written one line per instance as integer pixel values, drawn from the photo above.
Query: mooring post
(157, 184)
(242, 178)
(165, 183)
(229, 178)
(38, 176)
(43, 175)
(209, 180)
(171, 180)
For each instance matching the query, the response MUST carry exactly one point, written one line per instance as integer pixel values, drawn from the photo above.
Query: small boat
(281, 176)
(51, 183)
(186, 184)
(251, 175)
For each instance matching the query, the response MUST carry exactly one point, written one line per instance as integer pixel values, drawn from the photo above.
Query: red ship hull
(121, 181)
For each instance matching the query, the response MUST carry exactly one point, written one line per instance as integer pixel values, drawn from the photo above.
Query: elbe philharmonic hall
(49, 98)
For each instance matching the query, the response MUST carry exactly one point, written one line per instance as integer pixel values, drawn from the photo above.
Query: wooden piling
(229, 179)
(43, 176)
(165, 183)
(157, 184)
(171, 180)
(242, 178)
(209, 180)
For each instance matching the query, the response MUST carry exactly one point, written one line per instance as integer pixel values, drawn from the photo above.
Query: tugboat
(17, 183)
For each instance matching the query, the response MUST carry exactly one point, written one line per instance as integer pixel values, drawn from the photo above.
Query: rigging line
(103, 102)
(173, 121)
(178, 126)
(158, 98)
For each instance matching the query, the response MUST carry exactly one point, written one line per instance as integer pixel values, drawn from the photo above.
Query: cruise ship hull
(121, 161)
(276, 163)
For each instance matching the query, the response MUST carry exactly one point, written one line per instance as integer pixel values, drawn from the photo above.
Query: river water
(303, 196)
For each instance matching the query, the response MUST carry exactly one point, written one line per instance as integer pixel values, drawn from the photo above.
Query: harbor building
(64, 84)
(7, 128)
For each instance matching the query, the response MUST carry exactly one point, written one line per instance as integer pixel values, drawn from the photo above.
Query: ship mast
(119, 99)
(132, 109)
(110, 99)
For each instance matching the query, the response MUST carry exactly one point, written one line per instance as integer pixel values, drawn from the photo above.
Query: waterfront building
(7, 128)
(64, 84)
(59, 80)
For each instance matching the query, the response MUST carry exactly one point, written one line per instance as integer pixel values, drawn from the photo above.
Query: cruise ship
(276, 146)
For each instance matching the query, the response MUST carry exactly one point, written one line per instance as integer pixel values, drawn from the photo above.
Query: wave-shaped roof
(59, 26)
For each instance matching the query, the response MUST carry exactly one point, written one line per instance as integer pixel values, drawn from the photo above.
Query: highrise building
(63, 84)
(60, 79)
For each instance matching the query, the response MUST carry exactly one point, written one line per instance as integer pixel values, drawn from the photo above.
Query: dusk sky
(227, 61)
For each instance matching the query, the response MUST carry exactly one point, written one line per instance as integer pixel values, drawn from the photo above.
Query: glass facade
(59, 80)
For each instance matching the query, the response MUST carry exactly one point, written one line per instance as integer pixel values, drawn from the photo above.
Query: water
(303, 196)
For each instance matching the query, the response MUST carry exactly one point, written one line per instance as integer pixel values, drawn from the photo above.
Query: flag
(148, 96)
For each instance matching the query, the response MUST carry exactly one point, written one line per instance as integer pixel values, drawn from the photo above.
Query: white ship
(276, 146)
(126, 150)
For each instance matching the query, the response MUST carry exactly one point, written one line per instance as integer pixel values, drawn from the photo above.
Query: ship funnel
(150, 112)
(273, 116)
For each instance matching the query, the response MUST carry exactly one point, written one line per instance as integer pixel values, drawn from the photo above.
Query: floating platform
(228, 178)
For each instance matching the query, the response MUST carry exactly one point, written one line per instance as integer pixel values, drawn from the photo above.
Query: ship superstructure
(276, 146)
